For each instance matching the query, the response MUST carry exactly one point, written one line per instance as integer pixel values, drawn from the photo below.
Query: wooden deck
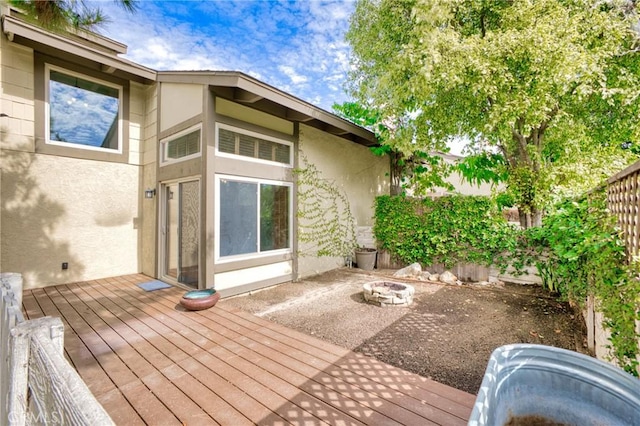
(149, 362)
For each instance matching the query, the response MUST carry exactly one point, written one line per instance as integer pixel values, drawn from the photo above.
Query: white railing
(37, 384)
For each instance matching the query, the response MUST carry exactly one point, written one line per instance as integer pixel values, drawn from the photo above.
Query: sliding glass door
(181, 231)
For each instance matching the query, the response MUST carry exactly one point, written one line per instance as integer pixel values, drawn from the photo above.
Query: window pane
(247, 146)
(265, 151)
(282, 153)
(184, 145)
(227, 141)
(83, 112)
(238, 217)
(274, 217)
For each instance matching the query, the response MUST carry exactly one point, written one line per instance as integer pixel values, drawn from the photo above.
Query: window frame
(164, 146)
(258, 135)
(258, 254)
(48, 67)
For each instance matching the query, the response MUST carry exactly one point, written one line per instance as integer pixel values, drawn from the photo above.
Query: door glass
(189, 232)
(182, 232)
(171, 234)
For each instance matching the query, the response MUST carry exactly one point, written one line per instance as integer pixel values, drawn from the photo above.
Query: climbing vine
(325, 224)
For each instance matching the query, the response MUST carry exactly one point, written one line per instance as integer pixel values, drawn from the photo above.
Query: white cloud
(294, 46)
(292, 74)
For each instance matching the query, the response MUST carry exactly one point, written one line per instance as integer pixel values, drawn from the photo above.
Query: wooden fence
(37, 384)
(623, 200)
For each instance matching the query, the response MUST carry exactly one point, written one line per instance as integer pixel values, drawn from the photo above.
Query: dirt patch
(447, 334)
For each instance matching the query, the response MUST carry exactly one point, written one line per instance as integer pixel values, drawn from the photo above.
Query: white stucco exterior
(353, 169)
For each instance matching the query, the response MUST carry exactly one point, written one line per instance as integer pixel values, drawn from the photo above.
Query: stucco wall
(179, 102)
(57, 209)
(352, 168)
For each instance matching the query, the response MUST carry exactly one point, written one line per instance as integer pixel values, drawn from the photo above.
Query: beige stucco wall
(58, 209)
(179, 102)
(354, 169)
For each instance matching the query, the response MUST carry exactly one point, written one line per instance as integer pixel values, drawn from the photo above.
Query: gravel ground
(447, 334)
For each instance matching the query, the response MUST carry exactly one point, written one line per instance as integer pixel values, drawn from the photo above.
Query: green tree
(62, 15)
(543, 84)
(418, 170)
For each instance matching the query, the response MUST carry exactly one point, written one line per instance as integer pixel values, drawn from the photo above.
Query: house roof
(97, 52)
(246, 90)
(85, 49)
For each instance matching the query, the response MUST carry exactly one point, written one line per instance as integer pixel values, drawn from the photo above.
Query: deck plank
(150, 362)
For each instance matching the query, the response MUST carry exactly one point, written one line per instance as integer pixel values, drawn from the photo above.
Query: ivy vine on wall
(326, 226)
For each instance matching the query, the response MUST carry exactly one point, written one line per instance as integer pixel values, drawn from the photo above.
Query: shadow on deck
(148, 361)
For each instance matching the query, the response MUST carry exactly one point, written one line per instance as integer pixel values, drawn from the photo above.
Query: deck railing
(37, 384)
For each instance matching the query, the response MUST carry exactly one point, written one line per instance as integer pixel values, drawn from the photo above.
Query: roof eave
(24, 33)
(248, 90)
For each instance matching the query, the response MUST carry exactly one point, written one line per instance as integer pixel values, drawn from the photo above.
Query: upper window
(83, 112)
(182, 146)
(252, 145)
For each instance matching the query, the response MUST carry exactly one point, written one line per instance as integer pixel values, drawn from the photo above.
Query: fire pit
(388, 293)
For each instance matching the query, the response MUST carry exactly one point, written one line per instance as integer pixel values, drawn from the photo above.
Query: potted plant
(366, 258)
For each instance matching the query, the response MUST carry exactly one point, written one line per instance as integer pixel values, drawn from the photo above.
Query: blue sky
(295, 46)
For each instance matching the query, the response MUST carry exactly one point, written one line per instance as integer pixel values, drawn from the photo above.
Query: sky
(295, 46)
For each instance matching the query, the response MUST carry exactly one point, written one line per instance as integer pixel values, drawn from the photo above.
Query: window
(247, 144)
(82, 112)
(254, 216)
(182, 146)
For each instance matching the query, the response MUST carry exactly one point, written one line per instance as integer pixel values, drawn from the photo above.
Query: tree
(62, 15)
(541, 83)
(418, 170)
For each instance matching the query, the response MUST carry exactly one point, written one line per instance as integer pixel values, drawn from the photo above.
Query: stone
(424, 276)
(434, 277)
(387, 293)
(410, 271)
(448, 278)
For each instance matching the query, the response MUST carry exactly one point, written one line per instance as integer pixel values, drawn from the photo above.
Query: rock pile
(414, 271)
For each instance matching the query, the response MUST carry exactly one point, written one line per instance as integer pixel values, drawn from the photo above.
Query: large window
(254, 216)
(82, 112)
(240, 142)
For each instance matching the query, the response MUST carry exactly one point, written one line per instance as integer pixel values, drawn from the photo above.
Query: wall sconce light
(149, 193)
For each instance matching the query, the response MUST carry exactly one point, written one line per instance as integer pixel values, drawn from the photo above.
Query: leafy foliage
(581, 255)
(325, 222)
(62, 15)
(444, 230)
(418, 170)
(543, 84)
(578, 251)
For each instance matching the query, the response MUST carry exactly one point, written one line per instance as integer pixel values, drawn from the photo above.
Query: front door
(181, 232)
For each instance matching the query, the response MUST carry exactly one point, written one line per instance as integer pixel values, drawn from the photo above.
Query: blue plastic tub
(524, 383)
